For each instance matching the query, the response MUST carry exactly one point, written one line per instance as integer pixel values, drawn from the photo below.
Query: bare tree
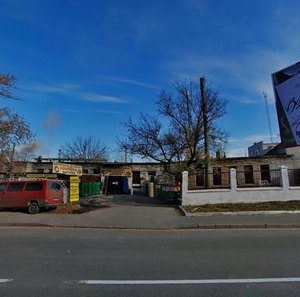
(7, 83)
(176, 133)
(14, 131)
(85, 148)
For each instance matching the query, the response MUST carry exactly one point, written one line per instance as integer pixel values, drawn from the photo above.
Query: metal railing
(294, 177)
(214, 181)
(267, 178)
(245, 179)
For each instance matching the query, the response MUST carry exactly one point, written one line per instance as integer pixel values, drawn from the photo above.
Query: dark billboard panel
(286, 83)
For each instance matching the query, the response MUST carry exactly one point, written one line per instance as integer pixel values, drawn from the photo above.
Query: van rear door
(3, 199)
(13, 196)
(55, 193)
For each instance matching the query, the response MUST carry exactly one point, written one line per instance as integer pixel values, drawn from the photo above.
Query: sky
(84, 67)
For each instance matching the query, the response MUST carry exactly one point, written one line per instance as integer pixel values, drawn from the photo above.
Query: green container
(83, 189)
(89, 189)
(96, 188)
(166, 196)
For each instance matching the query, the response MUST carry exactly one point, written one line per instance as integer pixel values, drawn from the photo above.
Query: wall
(240, 195)
(295, 153)
(239, 162)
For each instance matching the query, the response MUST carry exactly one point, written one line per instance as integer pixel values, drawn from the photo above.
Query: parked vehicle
(31, 194)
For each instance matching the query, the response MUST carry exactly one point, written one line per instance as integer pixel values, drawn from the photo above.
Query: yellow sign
(41, 175)
(74, 188)
(68, 169)
(74, 179)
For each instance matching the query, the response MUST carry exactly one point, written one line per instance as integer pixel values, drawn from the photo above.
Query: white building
(260, 148)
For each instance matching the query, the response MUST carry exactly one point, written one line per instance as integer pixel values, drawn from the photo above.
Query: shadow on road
(137, 199)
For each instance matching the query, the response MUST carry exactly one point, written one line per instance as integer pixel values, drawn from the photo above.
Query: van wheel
(33, 208)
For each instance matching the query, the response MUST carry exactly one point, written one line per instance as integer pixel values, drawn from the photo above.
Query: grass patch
(71, 208)
(236, 207)
(77, 207)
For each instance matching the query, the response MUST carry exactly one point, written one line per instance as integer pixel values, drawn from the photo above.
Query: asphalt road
(89, 262)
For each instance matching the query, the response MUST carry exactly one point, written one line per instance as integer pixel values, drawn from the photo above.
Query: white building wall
(239, 195)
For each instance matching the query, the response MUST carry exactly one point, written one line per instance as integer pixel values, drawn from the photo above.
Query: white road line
(188, 282)
(5, 280)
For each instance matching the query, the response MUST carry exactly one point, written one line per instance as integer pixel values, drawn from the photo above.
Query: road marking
(188, 282)
(5, 280)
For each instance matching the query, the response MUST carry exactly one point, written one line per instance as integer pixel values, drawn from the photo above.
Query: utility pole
(205, 127)
(268, 115)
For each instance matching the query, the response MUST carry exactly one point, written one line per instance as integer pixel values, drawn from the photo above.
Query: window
(151, 176)
(96, 171)
(2, 187)
(249, 179)
(36, 186)
(217, 176)
(40, 170)
(13, 187)
(54, 186)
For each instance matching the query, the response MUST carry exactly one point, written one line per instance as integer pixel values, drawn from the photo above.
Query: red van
(31, 194)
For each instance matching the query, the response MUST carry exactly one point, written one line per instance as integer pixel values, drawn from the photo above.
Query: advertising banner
(41, 175)
(74, 188)
(286, 84)
(68, 169)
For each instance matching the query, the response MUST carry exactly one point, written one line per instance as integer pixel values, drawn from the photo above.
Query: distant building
(260, 148)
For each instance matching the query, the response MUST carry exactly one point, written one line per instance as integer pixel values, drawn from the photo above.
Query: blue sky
(83, 67)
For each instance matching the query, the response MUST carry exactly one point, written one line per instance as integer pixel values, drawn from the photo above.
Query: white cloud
(237, 152)
(58, 88)
(92, 97)
(122, 80)
(105, 111)
(251, 138)
(248, 69)
(72, 90)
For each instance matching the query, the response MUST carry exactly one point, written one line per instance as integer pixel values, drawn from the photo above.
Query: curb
(195, 227)
(237, 213)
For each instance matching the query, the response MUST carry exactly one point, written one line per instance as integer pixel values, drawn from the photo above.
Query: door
(136, 179)
(55, 192)
(265, 173)
(249, 178)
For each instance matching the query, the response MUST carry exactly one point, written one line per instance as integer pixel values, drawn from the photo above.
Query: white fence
(240, 195)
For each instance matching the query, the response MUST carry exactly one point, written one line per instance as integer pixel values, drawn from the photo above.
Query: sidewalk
(140, 212)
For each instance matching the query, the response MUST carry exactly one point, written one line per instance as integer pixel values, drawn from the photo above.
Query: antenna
(268, 115)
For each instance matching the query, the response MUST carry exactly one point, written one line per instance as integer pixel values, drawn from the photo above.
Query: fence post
(233, 180)
(284, 178)
(185, 184)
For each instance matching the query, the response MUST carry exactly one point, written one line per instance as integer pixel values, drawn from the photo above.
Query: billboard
(68, 169)
(286, 84)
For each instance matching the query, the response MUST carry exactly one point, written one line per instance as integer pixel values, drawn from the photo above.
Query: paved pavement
(141, 212)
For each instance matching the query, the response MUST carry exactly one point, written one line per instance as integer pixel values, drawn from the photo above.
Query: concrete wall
(239, 195)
